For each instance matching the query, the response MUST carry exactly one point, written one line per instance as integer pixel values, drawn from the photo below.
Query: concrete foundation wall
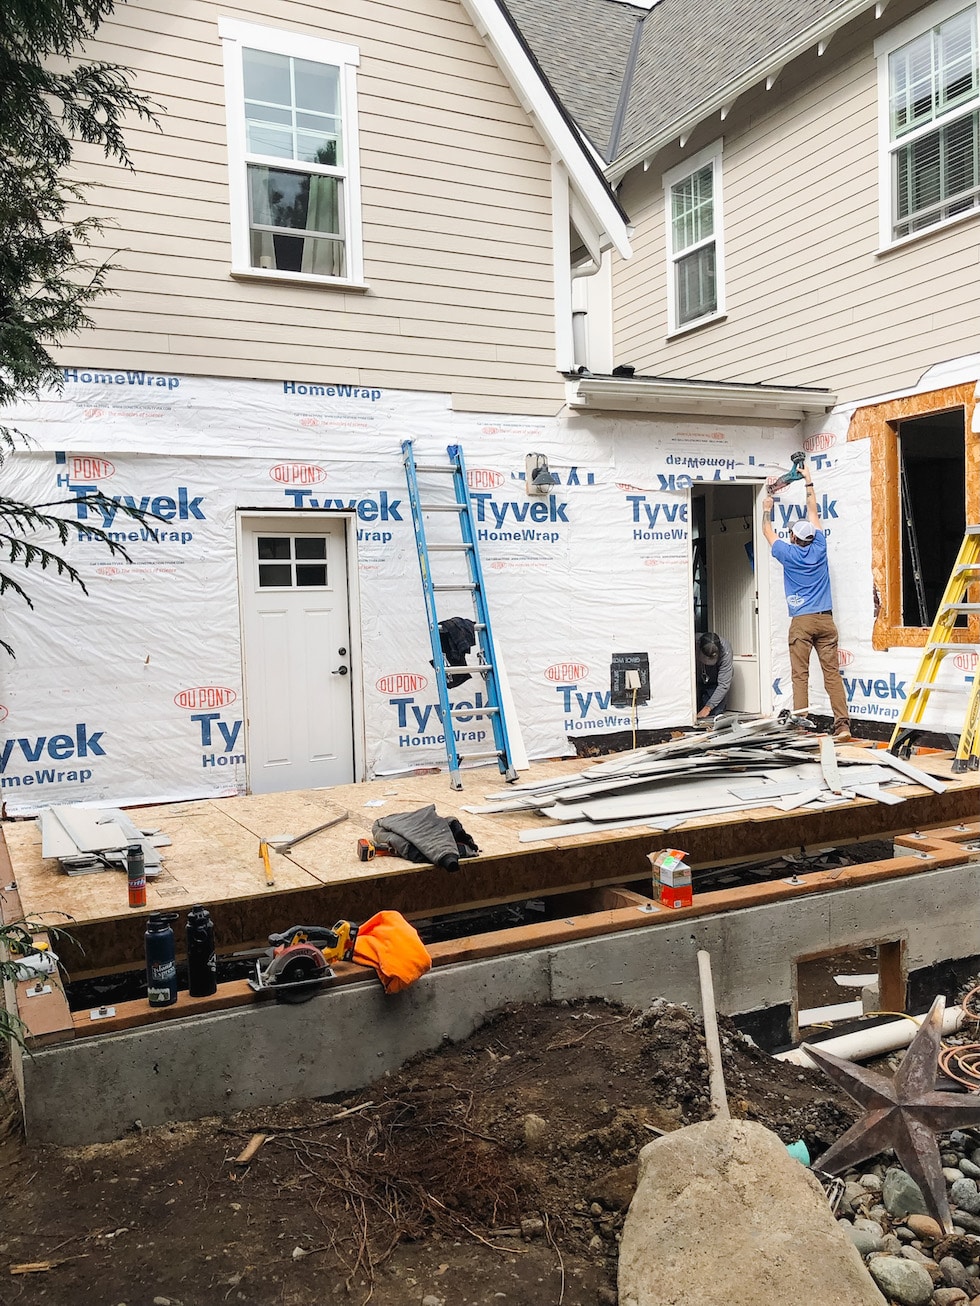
(93, 1089)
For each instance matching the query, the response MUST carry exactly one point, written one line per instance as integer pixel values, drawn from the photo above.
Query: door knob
(341, 671)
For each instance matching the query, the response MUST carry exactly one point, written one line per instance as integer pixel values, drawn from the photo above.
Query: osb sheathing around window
(879, 424)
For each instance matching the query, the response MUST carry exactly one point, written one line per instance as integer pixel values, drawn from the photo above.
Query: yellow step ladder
(965, 573)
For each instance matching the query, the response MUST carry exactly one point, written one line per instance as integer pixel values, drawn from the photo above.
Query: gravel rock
(951, 1174)
(871, 1182)
(535, 1132)
(924, 1227)
(949, 1297)
(901, 1195)
(965, 1196)
(901, 1281)
(865, 1235)
(969, 1168)
(954, 1273)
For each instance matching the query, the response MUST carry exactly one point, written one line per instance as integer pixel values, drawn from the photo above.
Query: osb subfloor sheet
(214, 855)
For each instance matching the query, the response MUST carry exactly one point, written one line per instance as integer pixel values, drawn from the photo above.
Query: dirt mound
(507, 1159)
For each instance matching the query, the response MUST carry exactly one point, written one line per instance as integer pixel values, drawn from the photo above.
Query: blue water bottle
(161, 960)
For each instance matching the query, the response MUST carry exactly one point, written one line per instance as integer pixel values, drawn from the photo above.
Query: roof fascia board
(663, 396)
(536, 98)
(816, 35)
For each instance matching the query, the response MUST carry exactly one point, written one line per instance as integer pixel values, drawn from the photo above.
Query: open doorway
(725, 584)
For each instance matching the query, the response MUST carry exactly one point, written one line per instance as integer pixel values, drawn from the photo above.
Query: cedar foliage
(51, 101)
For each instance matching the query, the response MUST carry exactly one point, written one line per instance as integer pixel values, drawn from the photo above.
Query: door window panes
(292, 561)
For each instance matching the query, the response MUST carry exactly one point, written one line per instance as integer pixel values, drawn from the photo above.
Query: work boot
(842, 731)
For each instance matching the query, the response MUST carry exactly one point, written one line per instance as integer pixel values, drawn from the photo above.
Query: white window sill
(688, 327)
(956, 221)
(296, 278)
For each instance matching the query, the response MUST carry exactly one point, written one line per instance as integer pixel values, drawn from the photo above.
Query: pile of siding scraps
(742, 765)
(87, 839)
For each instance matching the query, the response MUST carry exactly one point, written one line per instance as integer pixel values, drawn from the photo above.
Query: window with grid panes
(693, 200)
(933, 118)
(292, 148)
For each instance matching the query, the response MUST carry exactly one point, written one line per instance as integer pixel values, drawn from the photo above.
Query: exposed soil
(494, 1170)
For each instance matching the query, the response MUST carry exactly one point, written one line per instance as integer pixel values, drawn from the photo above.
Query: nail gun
(300, 960)
(781, 480)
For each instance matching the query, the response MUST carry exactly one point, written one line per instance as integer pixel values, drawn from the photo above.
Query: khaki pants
(817, 631)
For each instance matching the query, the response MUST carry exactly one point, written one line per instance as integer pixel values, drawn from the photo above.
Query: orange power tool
(367, 849)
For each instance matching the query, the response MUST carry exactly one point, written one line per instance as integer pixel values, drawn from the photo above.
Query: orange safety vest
(393, 948)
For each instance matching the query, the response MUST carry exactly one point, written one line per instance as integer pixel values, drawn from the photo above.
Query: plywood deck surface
(214, 854)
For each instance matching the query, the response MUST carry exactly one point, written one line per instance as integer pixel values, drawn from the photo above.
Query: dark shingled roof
(687, 53)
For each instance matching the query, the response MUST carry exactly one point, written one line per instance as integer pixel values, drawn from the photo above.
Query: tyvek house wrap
(600, 565)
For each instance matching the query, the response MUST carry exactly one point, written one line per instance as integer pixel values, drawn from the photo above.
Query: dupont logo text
(3, 713)
(566, 673)
(402, 682)
(479, 478)
(820, 442)
(204, 696)
(844, 657)
(90, 469)
(297, 474)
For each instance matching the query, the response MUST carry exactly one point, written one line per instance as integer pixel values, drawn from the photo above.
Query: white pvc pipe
(873, 1042)
(712, 1042)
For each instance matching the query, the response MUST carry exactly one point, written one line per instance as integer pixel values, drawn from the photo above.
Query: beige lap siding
(456, 211)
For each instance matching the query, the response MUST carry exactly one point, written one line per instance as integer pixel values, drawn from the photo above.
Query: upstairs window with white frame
(930, 92)
(692, 196)
(292, 144)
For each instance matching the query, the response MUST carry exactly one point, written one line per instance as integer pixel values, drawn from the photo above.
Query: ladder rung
(944, 648)
(930, 688)
(442, 507)
(478, 668)
(474, 757)
(449, 548)
(961, 607)
(473, 711)
(443, 588)
(443, 468)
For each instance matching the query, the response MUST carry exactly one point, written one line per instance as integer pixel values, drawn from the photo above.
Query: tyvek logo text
(514, 512)
(83, 742)
(220, 737)
(416, 719)
(381, 510)
(590, 710)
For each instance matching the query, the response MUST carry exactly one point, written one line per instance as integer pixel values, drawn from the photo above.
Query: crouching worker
(714, 663)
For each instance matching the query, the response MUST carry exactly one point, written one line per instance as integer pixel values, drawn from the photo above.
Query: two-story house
(804, 187)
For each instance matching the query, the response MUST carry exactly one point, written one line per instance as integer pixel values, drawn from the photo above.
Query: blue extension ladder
(487, 664)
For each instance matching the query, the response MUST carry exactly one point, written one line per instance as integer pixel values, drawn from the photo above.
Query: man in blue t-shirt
(806, 580)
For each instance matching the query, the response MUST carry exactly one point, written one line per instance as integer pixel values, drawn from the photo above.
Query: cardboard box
(671, 878)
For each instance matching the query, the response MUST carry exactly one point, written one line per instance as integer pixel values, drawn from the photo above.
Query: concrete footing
(94, 1088)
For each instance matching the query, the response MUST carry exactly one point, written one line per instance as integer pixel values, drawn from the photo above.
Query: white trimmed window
(695, 262)
(292, 155)
(929, 91)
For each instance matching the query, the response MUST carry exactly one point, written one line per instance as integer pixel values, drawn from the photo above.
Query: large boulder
(724, 1216)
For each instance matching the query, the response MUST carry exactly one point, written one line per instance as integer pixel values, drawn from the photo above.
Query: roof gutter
(817, 34)
(719, 399)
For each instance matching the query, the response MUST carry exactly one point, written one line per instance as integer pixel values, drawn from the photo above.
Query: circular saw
(299, 964)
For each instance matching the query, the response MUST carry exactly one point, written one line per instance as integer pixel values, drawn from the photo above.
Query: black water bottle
(202, 968)
(161, 960)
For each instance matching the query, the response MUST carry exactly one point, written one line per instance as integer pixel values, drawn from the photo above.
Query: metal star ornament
(904, 1113)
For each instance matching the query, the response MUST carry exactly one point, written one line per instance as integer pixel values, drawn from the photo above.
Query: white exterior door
(296, 631)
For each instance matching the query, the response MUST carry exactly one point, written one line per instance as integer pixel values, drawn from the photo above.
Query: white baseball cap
(803, 530)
